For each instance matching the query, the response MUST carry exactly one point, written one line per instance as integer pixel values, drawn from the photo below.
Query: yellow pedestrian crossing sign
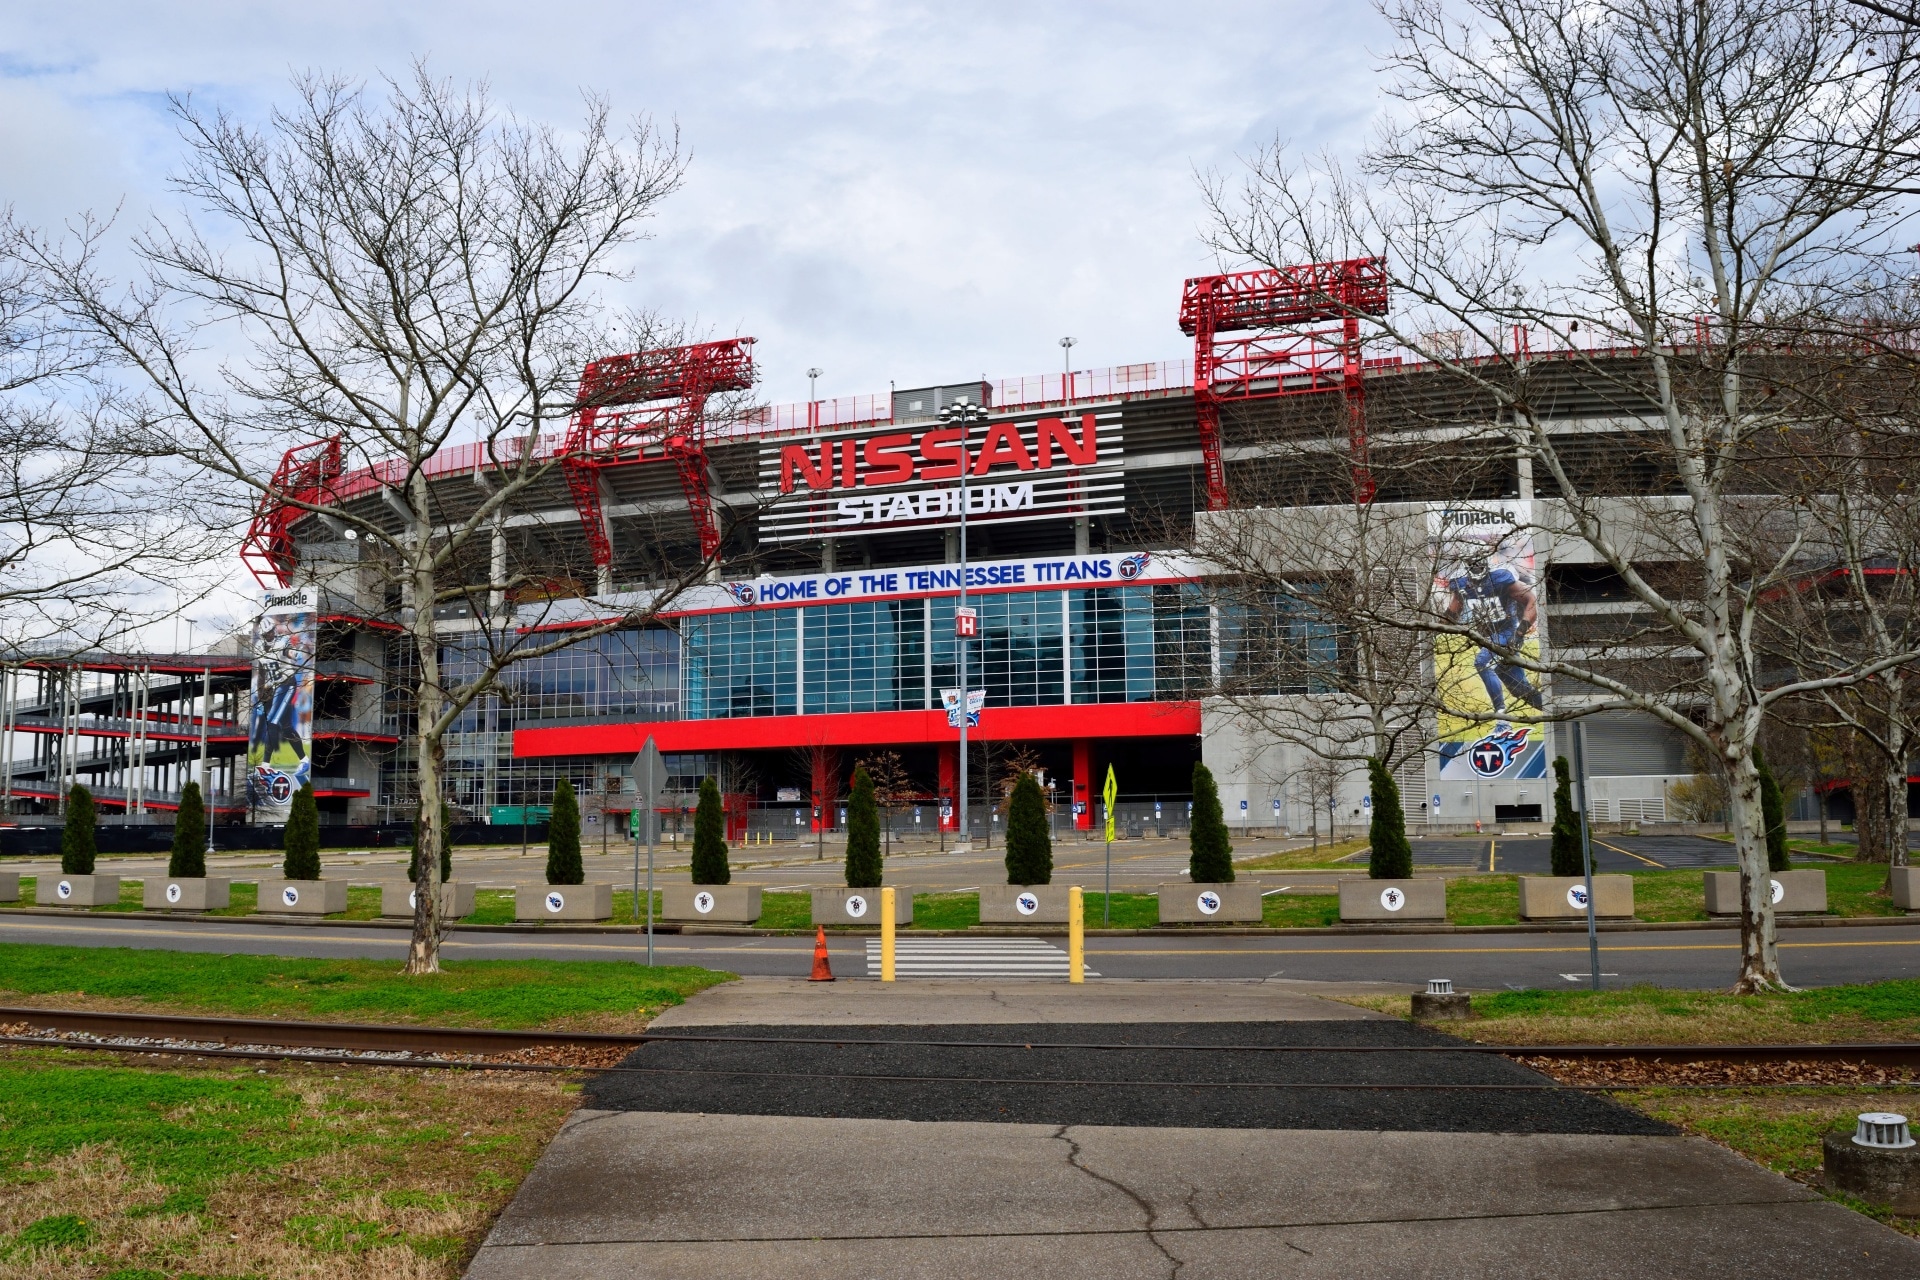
(1108, 793)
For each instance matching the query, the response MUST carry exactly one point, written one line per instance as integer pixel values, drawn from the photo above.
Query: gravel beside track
(771, 1071)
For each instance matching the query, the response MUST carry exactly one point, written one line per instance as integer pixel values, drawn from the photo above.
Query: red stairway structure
(303, 479)
(650, 406)
(1303, 337)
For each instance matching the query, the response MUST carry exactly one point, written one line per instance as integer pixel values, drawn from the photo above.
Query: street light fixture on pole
(813, 377)
(965, 416)
(1066, 354)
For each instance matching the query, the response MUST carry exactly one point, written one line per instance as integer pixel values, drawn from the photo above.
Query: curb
(989, 931)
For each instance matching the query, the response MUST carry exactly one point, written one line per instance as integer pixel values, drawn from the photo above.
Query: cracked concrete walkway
(709, 1196)
(652, 1194)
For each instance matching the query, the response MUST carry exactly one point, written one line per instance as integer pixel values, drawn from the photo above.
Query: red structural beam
(650, 406)
(303, 479)
(863, 729)
(1287, 354)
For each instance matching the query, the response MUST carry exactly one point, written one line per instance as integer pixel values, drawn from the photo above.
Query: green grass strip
(488, 993)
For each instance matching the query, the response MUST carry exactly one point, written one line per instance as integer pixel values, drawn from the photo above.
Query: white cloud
(888, 191)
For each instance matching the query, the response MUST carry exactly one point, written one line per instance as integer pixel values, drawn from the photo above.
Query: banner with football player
(1485, 578)
(280, 726)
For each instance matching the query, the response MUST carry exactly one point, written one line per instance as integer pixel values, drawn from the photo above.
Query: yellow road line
(1630, 853)
(1490, 848)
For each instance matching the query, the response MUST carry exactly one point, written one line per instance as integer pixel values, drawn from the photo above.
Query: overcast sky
(897, 191)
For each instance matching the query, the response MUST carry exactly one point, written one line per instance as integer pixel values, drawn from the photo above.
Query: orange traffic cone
(822, 971)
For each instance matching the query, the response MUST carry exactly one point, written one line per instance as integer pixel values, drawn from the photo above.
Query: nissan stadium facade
(826, 629)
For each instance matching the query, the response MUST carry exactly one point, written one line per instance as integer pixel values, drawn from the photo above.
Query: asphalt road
(1701, 958)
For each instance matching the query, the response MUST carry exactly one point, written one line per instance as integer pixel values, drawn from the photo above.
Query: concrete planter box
(1561, 897)
(302, 897)
(77, 891)
(1236, 903)
(186, 893)
(841, 905)
(563, 902)
(1003, 903)
(1390, 901)
(456, 899)
(9, 886)
(1906, 888)
(717, 903)
(1794, 892)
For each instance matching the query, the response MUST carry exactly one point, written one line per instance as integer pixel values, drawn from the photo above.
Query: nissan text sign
(874, 478)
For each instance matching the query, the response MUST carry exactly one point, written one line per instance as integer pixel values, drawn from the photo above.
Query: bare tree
(892, 786)
(1642, 193)
(96, 539)
(395, 272)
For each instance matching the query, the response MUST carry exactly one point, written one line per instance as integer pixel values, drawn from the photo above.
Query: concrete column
(497, 598)
(829, 554)
(1083, 536)
(1083, 783)
(824, 762)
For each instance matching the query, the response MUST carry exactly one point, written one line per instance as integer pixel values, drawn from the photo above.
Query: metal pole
(636, 855)
(1106, 896)
(647, 819)
(966, 465)
(1586, 847)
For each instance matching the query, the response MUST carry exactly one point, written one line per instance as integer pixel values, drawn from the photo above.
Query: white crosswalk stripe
(972, 958)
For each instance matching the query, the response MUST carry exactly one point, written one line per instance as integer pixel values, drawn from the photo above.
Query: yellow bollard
(1076, 936)
(886, 934)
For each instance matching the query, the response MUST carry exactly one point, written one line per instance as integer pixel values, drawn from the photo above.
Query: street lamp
(965, 416)
(813, 376)
(1066, 354)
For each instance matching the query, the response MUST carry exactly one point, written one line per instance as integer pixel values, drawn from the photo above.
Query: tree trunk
(1759, 955)
(423, 952)
(1895, 810)
(1870, 808)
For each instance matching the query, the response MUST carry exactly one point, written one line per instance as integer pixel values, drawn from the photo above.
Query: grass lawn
(1328, 855)
(1877, 1011)
(1130, 910)
(1782, 1131)
(946, 910)
(296, 1169)
(581, 994)
(1668, 895)
(1483, 900)
(1300, 911)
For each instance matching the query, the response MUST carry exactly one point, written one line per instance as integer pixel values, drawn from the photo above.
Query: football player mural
(280, 726)
(1484, 579)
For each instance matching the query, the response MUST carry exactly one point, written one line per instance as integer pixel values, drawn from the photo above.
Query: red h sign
(966, 623)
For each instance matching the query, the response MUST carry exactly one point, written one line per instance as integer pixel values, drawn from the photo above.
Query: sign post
(649, 780)
(1586, 847)
(1108, 793)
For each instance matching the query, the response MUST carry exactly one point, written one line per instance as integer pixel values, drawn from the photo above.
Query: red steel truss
(650, 406)
(1305, 338)
(303, 479)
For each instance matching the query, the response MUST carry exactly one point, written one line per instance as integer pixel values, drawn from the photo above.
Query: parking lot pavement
(748, 1158)
(1532, 855)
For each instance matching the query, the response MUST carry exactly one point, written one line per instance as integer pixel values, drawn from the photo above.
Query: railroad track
(468, 1047)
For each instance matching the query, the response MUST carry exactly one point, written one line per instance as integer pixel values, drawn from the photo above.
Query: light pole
(1066, 354)
(813, 377)
(965, 416)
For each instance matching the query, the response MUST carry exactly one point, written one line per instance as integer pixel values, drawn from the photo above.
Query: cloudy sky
(906, 192)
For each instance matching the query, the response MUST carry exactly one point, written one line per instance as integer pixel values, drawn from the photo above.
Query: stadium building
(829, 632)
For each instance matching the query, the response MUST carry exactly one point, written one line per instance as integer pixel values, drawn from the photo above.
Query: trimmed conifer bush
(710, 837)
(863, 833)
(1029, 847)
(446, 846)
(1773, 814)
(1565, 856)
(189, 856)
(1391, 857)
(302, 841)
(77, 847)
(1210, 853)
(563, 837)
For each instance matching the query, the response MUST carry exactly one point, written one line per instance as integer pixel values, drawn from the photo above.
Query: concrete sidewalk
(647, 1194)
(1339, 1192)
(935, 1001)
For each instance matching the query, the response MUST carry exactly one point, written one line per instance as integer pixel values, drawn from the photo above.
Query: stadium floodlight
(963, 415)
